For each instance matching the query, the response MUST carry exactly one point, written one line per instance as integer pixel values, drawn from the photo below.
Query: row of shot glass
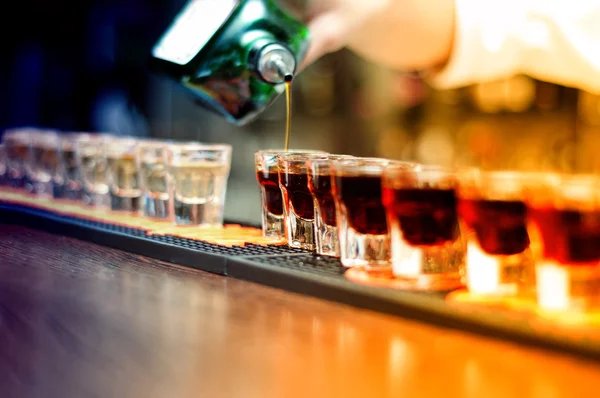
(182, 182)
(501, 233)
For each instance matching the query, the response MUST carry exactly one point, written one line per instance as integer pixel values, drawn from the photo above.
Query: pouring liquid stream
(288, 110)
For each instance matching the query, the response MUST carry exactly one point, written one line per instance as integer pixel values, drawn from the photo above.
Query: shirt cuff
(486, 43)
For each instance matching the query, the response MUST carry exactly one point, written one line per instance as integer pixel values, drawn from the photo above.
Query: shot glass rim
(331, 157)
(300, 157)
(17, 134)
(352, 167)
(46, 139)
(392, 174)
(197, 146)
(93, 137)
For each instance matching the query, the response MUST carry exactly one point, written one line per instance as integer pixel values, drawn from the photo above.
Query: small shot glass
(564, 225)
(361, 218)
(198, 175)
(327, 242)
(68, 179)
(17, 143)
(44, 164)
(125, 182)
(267, 175)
(3, 166)
(493, 217)
(152, 157)
(298, 205)
(426, 243)
(93, 169)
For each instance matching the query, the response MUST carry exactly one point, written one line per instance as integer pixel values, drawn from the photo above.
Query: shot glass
(44, 162)
(493, 216)
(152, 157)
(267, 175)
(68, 180)
(3, 166)
(93, 169)
(564, 225)
(125, 182)
(361, 218)
(327, 242)
(298, 205)
(426, 244)
(198, 177)
(17, 144)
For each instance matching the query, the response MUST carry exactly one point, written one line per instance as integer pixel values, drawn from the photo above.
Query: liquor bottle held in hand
(233, 55)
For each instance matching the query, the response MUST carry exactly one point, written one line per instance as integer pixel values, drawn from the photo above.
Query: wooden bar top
(81, 320)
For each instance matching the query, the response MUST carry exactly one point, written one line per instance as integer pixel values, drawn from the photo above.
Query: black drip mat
(300, 271)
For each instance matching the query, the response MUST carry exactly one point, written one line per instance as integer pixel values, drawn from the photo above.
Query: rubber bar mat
(302, 272)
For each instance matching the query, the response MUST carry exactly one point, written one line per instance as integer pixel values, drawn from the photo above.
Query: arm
(551, 40)
(467, 41)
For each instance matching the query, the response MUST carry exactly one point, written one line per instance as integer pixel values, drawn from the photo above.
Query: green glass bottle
(233, 55)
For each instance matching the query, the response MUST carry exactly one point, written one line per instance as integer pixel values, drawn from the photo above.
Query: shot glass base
(428, 265)
(58, 191)
(499, 275)
(204, 214)
(364, 250)
(156, 208)
(326, 239)
(272, 225)
(572, 288)
(125, 203)
(384, 277)
(96, 199)
(300, 232)
(72, 194)
(44, 189)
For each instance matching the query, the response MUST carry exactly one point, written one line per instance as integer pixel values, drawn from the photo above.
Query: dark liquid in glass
(569, 236)
(361, 196)
(427, 217)
(500, 226)
(270, 183)
(320, 187)
(298, 194)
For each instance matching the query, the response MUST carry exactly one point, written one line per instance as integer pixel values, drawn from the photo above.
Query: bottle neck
(276, 64)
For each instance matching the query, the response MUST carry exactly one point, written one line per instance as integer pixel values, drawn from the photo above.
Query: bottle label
(193, 27)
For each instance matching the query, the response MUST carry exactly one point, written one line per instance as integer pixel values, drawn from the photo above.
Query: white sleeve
(551, 40)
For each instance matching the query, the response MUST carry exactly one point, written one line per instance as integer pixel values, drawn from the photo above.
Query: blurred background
(82, 66)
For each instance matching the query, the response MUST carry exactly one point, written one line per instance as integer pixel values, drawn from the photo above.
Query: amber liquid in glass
(499, 225)
(426, 217)
(270, 182)
(296, 186)
(361, 195)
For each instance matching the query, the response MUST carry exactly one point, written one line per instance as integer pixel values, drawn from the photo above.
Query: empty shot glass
(152, 157)
(18, 154)
(361, 219)
(198, 175)
(426, 243)
(93, 169)
(327, 242)
(125, 182)
(564, 225)
(3, 166)
(44, 162)
(493, 216)
(68, 179)
(267, 175)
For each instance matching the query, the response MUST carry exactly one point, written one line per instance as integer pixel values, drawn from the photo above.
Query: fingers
(327, 34)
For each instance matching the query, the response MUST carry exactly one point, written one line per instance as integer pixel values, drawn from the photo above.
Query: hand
(413, 34)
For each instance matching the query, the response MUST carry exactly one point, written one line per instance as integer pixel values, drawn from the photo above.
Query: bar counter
(82, 320)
